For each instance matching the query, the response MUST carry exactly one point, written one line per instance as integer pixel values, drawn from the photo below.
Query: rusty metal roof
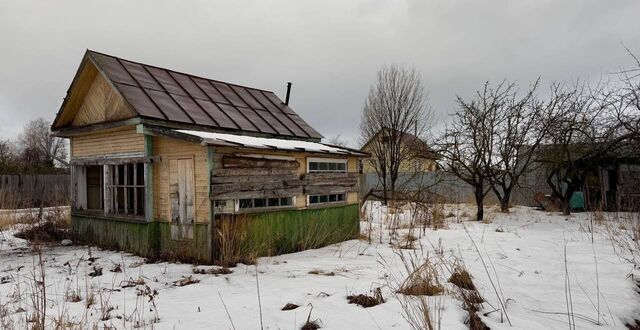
(171, 96)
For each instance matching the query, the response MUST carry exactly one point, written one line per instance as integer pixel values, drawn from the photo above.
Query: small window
(328, 198)
(327, 165)
(246, 203)
(265, 202)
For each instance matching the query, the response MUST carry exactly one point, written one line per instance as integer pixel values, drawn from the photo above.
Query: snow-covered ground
(525, 261)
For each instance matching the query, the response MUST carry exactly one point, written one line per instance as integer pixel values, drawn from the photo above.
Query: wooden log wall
(249, 177)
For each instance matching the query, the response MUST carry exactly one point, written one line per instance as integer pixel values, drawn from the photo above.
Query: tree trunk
(504, 201)
(479, 203)
(566, 203)
(385, 198)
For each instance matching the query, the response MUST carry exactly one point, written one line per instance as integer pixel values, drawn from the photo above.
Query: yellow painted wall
(168, 148)
(122, 140)
(409, 165)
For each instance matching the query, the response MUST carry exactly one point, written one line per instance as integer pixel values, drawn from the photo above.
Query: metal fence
(450, 189)
(34, 190)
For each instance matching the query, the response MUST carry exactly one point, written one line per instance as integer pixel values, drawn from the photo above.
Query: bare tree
(627, 101)
(518, 133)
(467, 144)
(8, 157)
(337, 141)
(40, 148)
(396, 106)
(579, 132)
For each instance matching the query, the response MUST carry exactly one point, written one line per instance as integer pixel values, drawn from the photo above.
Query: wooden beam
(114, 160)
(167, 132)
(260, 194)
(72, 131)
(322, 190)
(252, 162)
(255, 186)
(251, 178)
(149, 212)
(252, 171)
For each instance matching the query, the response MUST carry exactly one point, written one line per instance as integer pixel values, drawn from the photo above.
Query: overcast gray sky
(330, 50)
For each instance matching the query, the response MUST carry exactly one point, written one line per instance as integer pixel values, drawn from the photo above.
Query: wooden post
(212, 214)
(108, 190)
(149, 212)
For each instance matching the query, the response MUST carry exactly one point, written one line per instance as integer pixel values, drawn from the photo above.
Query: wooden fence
(30, 190)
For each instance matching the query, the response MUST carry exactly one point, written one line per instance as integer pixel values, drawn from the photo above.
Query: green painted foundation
(287, 231)
(142, 238)
(236, 238)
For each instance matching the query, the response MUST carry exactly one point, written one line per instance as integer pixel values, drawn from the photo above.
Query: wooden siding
(299, 172)
(172, 149)
(80, 88)
(122, 140)
(101, 103)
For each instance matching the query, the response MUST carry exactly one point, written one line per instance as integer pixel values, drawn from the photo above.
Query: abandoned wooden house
(167, 162)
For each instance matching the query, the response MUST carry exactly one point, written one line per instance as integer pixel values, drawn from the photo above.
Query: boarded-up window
(182, 197)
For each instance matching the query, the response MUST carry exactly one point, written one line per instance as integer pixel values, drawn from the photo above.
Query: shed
(164, 162)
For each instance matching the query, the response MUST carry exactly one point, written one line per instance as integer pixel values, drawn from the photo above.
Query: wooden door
(182, 196)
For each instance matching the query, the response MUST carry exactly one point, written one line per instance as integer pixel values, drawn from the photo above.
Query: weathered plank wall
(236, 176)
(26, 191)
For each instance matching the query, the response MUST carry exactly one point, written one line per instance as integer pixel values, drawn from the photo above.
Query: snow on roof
(223, 139)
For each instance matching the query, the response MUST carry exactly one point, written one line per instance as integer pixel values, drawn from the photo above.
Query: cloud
(330, 50)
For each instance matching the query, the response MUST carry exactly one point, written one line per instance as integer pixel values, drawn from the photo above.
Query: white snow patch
(528, 258)
(265, 143)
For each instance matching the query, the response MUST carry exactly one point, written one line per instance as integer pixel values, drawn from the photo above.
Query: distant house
(167, 162)
(608, 182)
(421, 158)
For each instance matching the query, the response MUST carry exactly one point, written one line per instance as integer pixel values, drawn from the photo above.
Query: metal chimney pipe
(286, 100)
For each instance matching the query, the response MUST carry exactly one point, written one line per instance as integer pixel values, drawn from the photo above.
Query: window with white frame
(326, 198)
(316, 165)
(250, 203)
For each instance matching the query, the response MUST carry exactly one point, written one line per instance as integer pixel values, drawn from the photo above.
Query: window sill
(263, 209)
(112, 217)
(327, 204)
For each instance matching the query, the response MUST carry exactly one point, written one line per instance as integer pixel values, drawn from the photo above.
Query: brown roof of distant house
(175, 97)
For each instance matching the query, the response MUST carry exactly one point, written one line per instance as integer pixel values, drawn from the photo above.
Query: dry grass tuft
(48, 231)
(289, 306)
(366, 300)
(462, 279)
(212, 271)
(72, 296)
(321, 272)
(186, 280)
(310, 325)
(423, 281)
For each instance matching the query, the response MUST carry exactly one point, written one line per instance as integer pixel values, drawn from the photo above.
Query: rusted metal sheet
(177, 97)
